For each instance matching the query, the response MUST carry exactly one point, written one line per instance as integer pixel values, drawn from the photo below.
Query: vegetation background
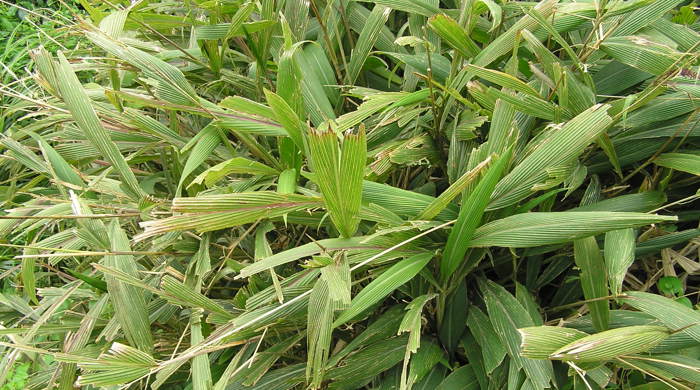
(336, 194)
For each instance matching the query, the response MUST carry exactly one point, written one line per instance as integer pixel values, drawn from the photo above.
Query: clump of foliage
(27, 24)
(386, 194)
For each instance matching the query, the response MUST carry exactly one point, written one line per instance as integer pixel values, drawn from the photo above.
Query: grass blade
(593, 280)
(534, 229)
(379, 288)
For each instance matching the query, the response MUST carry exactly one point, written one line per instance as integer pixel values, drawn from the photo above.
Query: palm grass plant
(386, 194)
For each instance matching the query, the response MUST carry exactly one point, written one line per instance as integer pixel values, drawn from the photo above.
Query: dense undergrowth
(387, 194)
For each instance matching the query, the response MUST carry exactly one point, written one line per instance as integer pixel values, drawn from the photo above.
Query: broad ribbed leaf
(394, 277)
(307, 250)
(535, 229)
(507, 316)
(319, 327)
(669, 312)
(641, 53)
(129, 302)
(452, 33)
(539, 342)
(366, 40)
(503, 79)
(561, 148)
(470, 216)
(86, 118)
(684, 162)
(288, 118)
(412, 320)
(593, 280)
(492, 348)
(239, 165)
(205, 143)
(612, 343)
(214, 212)
(339, 168)
(619, 255)
(121, 364)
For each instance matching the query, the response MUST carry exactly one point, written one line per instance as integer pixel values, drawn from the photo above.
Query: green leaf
(641, 53)
(507, 316)
(302, 251)
(121, 364)
(366, 40)
(359, 368)
(669, 312)
(454, 320)
(455, 189)
(470, 216)
(339, 168)
(644, 16)
(86, 118)
(235, 27)
(403, 202)
(412, 320)
(201, 372)
(179, 293)
(680, 161)
(539, 342)
(452, 33)
(129, 302)
(505, 42)
(319, 327)
(559, 149)
(239, 165)
(288, 118)
(492, 348)
(206, 141)
(535, 229)
(612, 343)
(462, 378)
(214, 212)
(640, 202)
(593, 280)
(391, 279)
(619, 255)
(172, 85)
(503, 79)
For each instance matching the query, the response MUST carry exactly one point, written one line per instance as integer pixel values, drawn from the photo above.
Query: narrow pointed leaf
(383, 285)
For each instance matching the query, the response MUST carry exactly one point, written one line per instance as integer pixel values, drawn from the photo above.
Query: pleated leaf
(454, 35)
(214, 212)
(535, 229)
(391, 279)
(206, 141)
(492, 348)
(507, 316)
(593, 280)
(319, 327)
(86, 118)
(128, 301)
(412, 320)
(121, 364)
(561, 148)
(619, 255)
(503, 79)
(470, 216)
(684, 162)
(669, 312)
(612, 343)
(339, 167)
(238, 165)
(641, 53)
(539, 342)
(365, 42)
